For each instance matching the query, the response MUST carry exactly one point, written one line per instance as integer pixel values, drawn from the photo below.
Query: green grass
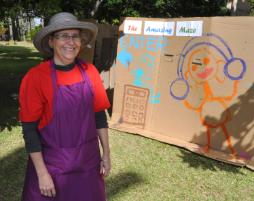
(14, 62)
(158, 171)
(142, 169)
(12, 164)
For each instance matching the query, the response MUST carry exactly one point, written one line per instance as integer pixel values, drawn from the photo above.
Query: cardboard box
(188, 82)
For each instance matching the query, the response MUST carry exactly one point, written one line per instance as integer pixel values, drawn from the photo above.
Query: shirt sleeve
(101, 101)
(30, 98)
(31, 137)
(101, 120)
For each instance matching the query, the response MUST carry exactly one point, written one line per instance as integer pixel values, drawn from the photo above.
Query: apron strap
(53, 75)
(84, 74)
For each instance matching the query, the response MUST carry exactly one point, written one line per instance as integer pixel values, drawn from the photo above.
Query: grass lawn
(142, 169)
(14, 62)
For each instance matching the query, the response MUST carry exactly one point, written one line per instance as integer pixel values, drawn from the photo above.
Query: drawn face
(202, 65)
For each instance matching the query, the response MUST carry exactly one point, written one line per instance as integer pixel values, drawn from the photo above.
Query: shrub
(32, 33)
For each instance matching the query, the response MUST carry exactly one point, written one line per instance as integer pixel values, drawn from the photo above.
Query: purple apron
(70, 147)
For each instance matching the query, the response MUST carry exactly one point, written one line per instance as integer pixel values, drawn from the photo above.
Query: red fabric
(36, 91)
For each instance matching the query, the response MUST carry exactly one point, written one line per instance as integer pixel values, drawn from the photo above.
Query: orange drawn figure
(204, 74)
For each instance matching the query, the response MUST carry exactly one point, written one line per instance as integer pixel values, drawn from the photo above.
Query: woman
(62, 103)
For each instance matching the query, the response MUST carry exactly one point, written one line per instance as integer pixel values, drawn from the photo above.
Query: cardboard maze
(188, 82)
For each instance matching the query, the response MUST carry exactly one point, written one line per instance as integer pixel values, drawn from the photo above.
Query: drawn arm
(235, 90)
(192, 107)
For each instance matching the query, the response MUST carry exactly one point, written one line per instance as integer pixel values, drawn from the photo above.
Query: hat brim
(41, 39)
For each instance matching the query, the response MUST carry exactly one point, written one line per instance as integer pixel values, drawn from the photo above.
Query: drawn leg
(232, 150)
(208, 135)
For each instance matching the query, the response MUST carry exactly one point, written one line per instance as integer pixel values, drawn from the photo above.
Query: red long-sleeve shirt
(36, 91)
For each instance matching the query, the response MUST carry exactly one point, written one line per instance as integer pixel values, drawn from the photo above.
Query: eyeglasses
(66, 37)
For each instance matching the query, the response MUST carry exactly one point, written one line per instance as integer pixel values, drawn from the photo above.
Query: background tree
(114, 9)
(251, 3)
(108, 11)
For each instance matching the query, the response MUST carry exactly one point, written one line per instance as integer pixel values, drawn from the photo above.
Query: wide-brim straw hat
(62, 21)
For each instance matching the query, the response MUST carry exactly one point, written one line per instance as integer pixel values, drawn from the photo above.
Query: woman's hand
(105, 161)
(46, 185)
(105, 166)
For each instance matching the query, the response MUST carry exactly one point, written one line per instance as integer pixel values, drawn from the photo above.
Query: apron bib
(70, 146)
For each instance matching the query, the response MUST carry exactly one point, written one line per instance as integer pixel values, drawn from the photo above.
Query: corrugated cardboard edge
(213, 154)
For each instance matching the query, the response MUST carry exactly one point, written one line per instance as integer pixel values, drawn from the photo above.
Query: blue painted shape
(231, 62)
(155, 44)
(134, 41)
(122, 42)
(154, 101)
(138, 77)
(125, 58)
(151, 44)
(148, 59)
(185, 94)
(154, 98)
(162, 42)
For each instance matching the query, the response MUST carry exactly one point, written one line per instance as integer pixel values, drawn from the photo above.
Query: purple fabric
(70, 147)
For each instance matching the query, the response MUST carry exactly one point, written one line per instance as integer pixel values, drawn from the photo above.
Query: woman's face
(202, 65)
(66, 45)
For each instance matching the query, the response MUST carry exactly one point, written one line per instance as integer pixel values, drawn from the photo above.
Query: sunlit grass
(142, 169)
(17, 59)
(12, 164)
(164, 172)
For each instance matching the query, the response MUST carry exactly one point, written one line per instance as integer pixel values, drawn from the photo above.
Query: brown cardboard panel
(199, 75)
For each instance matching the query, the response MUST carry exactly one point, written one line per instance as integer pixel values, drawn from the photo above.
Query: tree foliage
(112, 10)
(251, 3)
(3, 29)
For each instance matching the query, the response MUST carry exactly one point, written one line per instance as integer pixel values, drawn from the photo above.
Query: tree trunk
(10, 29)
(18, 29)
(14, 28)
(97, 4)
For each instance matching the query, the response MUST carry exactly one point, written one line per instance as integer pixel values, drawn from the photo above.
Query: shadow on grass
(15, 61)
(197, 161)
(12, 172)
(121, 183)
